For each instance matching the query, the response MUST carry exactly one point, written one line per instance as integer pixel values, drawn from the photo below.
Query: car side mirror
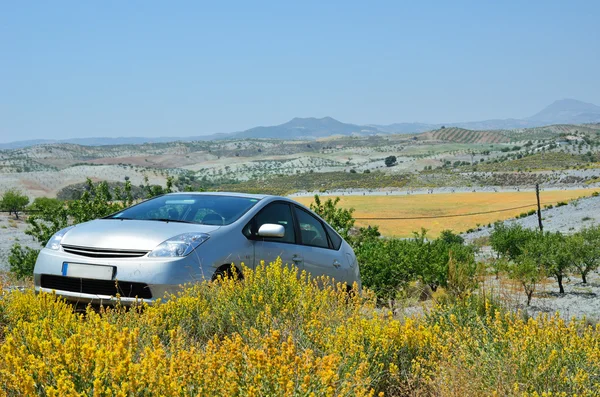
(271, 230)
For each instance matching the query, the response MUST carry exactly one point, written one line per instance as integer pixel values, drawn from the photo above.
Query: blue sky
(145, 68)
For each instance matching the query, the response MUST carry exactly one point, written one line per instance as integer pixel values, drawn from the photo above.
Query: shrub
(278, 333)
(561, 203)
(21, 260)
(388, 266)
(390, 161)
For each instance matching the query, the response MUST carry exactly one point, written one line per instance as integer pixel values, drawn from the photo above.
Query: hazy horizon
(149, 69)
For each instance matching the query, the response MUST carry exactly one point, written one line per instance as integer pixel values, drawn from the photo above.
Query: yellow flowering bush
(281, 333)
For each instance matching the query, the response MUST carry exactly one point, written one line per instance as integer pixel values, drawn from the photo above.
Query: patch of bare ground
(579, 300)
(33, 186)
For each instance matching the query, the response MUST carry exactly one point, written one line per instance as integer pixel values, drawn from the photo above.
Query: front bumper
(162, 276)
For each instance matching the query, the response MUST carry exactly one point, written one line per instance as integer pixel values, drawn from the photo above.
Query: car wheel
(229, 271)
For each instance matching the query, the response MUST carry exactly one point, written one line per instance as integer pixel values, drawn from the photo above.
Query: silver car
(153, 247)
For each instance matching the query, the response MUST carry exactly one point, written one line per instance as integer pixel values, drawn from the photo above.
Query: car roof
(230, 194)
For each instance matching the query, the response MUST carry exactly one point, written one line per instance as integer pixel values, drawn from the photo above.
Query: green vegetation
(14, 202)
(532, 255)
(390, 161)
(51, 216)
(585, 246)
(389, 266)
(339, 218)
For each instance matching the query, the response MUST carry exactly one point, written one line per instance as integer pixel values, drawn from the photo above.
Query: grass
(442, 205)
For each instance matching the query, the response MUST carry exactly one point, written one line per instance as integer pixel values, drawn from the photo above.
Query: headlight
(54, 242)
(179, 246)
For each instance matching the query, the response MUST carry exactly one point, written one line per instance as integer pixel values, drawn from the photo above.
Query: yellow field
(422, 205)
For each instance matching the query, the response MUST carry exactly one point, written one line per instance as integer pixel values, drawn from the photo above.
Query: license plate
(88, 271)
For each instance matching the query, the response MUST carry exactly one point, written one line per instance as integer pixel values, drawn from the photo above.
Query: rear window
(200, 209)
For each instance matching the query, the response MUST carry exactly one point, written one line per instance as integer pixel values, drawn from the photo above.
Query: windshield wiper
(168, 220)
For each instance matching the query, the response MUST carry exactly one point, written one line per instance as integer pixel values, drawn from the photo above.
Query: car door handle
(336, 263)
(297, 258)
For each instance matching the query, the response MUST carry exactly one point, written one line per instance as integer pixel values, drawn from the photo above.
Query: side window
(333, 236)
(277, 213)
(311, 229)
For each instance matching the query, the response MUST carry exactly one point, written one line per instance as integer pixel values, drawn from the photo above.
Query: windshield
(189, 208)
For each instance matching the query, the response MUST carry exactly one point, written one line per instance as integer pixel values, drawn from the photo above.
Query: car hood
(128, 234)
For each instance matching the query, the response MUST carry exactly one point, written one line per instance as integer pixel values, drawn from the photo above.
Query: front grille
(102, 252)
(96, 287)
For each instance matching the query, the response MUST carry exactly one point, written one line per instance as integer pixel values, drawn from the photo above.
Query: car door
(270, 248)
(320, 257)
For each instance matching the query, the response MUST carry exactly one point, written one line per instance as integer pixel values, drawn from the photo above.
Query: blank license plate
(88, 271)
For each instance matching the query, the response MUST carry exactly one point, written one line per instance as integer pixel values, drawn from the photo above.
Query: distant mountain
(565, 111)
(297, 128)
(306, 128)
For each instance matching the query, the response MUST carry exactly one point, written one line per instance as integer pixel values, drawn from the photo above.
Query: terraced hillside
(461, 135)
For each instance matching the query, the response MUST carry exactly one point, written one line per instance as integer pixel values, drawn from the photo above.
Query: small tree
(340, 219)
(558, 257)
(44, 203)
(508, 241)
(390, 161)
(585, 248)
(14, 202)
(22, 260)
(449, 237)
(528, 268)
